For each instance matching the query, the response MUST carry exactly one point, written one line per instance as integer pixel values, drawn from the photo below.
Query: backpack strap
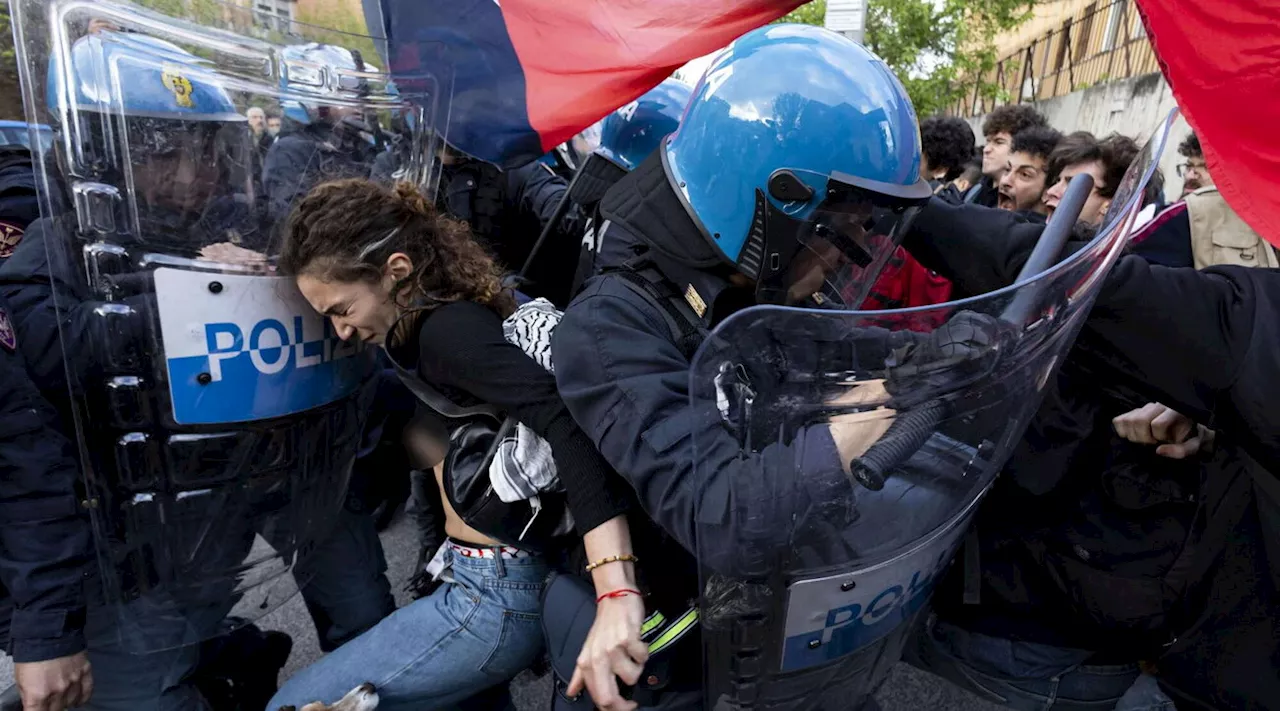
(644, 278)
(437, 401)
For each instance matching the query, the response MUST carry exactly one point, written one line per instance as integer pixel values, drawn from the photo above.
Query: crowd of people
(1025, 165)
(581, 504)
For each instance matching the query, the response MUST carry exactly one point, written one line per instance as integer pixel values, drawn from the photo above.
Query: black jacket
(302, 160)
(508, 210)
(985, 193)
(625, 378)
(46, 551)
(19, 205)
(1206, 343)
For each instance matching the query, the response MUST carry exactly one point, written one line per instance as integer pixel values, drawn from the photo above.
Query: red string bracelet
(616, 594)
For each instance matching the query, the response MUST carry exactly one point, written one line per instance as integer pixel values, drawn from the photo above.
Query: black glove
(938, 364)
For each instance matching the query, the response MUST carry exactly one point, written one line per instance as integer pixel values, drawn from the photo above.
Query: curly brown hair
(346, 230)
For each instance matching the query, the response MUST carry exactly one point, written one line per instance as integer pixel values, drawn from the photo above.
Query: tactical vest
(1219, 236)
(475, 193)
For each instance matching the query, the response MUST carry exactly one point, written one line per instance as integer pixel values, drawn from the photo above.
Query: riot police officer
(186, 470)
(327, 142)
(46, 550)
(626, 138)
(508, 210)
(18, 204)
(625, 348)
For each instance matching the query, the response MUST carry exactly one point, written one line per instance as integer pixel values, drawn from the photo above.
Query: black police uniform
(623, 355)
(508, 210)
(46, 550)
(19, 205)
(1222, 325)
(317, 153)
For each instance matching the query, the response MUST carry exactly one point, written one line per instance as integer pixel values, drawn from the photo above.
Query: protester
(1194, 172)
(1201, 230)
(999, 128)
(1222, 639)
(1023, 184)
(387, 269)
(1105, 160)
(273, 125)
(946, 146)
(969, 177)
(257, 122)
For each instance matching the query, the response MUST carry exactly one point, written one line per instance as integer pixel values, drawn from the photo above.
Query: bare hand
(855, 432)
(56, 684)
(613, 651)
(1175, 435)
(228, 253)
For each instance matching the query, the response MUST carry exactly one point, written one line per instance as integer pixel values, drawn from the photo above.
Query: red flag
(1222, 60)
(529, 74)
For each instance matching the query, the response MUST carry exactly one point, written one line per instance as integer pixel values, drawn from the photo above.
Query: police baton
(589, 184)
(908, 433)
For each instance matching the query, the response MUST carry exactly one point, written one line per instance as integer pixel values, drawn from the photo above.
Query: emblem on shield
(179, 85)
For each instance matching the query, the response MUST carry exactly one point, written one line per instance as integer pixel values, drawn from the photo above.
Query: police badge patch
(8, 339)
(10, 237)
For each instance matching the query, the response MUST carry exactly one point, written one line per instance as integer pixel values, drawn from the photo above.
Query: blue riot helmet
(633, 132)
(184, 141)
(794, 135)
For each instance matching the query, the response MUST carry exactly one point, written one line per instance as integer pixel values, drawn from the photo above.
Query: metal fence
(1102, 42)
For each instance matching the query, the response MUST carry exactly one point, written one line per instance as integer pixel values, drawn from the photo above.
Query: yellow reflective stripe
(675, 631)
(654, 622)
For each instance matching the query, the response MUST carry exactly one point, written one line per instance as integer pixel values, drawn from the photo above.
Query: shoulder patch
(10, 237)
(8, 338)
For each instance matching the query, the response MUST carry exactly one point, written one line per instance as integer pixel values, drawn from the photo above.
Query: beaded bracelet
(625, 558)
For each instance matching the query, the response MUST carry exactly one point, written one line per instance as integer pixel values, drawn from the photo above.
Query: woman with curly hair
(389, 270)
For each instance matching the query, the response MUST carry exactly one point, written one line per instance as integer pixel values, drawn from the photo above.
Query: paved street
(907, 690)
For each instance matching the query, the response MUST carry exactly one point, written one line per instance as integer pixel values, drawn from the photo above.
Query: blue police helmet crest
(633, 132)
(139, 76)
(791, 98)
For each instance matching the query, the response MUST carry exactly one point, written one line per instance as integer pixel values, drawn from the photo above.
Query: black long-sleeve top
(461, 348)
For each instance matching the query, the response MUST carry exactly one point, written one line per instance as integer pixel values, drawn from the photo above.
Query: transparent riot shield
(218, 416)
(840, 457)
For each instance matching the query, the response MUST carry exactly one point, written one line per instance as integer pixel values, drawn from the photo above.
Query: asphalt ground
(907, 689)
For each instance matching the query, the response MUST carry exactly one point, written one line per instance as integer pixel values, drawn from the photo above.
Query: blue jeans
(1028, 676)
(346, 591)
(477, 630)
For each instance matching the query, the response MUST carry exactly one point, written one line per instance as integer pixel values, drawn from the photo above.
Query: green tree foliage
(342, 24)
(810, 13)
(932, 44)
(10, 91)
